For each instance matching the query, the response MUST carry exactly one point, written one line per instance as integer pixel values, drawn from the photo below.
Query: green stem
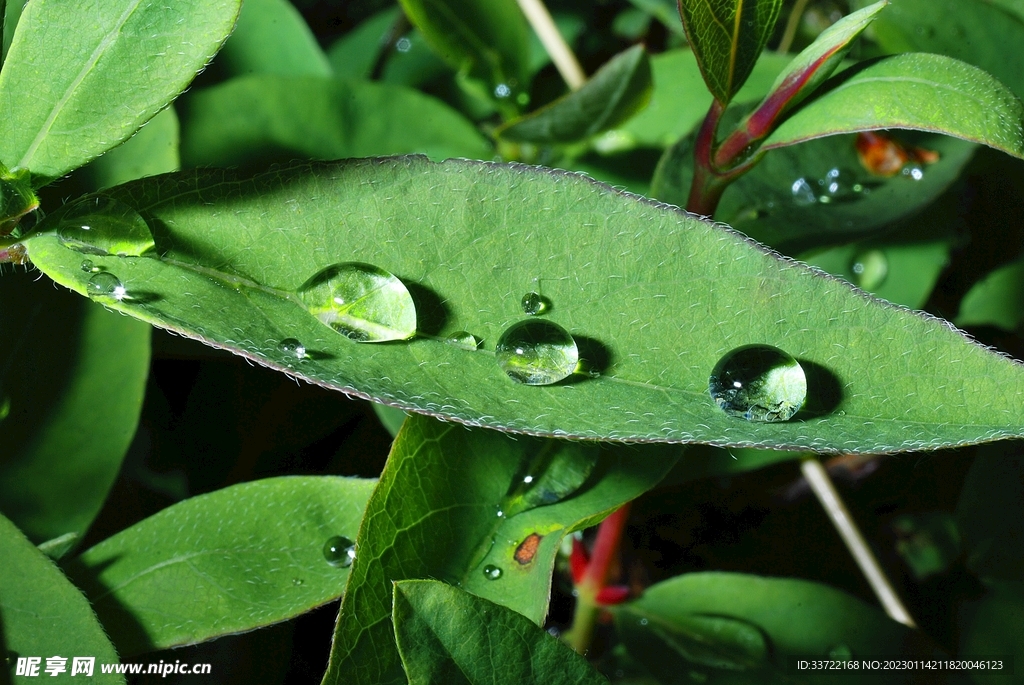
(792, 24)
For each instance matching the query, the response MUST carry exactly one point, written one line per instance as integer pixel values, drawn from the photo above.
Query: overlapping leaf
(654, 297)
(233, 560)
(273, 38)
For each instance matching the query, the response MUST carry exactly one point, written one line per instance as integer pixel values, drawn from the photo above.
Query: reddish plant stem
(706, 189)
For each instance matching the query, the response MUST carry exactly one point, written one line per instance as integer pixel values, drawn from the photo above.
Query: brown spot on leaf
(527, 549)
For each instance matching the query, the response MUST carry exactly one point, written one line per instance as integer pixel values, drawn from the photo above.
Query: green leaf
(42, 614)
(487, 40)
(436, 511)
(915, 91)
(72, 378)
(226, 562)
(701, 622)
(727, 36)
(991, 625)
(119, 63)
(272, 38)
(151, 151)
(447, 635)
(354, 55)
(679, 100)
(787, 199)
(619, 89)
(263, 117)
(985, 33)
(990, 514)
(665, 11)
(996, 300)
(654, 297)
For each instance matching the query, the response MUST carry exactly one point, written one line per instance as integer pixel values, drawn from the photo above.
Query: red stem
(606, 548)
(706, 189)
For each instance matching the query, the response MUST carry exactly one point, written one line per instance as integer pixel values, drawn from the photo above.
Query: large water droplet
(106, 285)
(870, 269)
(292, 348)
(758, 383)
(492, 572)
(536, 352)
(534, 304)
(339, 551)
(464, 339)
(803, 194)
(101, 225)
(362, 302)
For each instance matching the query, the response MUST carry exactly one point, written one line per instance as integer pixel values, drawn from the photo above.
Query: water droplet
(643, 621)
(106, 285)
(293, 348)
(88, 267)
(403, 44)
(536, 352)
(297, 581)
(758, 383)
(502, 90)
(101, 225)
(857, 187)
(492, 572)
(464, 339)
(803, 195)
(527, 479)
(534, 304)
(870, 269)
(362, 302)
(339, 551)
(913, 171)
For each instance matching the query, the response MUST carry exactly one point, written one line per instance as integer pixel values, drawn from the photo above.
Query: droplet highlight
(339, 551)
(758, 383)
(534, 304)
(870, 269)
(362, 302)
(536, 352)
(464, 339)
(803, 194)
(293, 348)
(106, 285)
(492, 572)
(101, 225)
(89, 268)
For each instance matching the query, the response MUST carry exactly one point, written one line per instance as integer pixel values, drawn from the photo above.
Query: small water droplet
(527, 479)
(870, 269)
(464, 339)
(339, 551)
(403, 44)
(362, 302)
(803, 195)
(101, 225)
(857, 187)
(293, 348)
(643, 621)
(758, 383)
(492, 572)
(106, 285)
(534, 304)
(88, 267)
(502, 90)
(297, 581)
(913, 171)
(536, 352)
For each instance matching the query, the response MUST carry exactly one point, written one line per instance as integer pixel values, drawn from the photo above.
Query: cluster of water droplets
(830, 187)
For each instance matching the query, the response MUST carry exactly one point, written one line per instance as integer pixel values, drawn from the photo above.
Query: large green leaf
(119, 62)
(915, 91)
(728, 36)
(233, 560)
(280, 118)
(72, 378)
(996, 300)
(449, 636)
(615, 93)
(453, 502)
(654, 297)
(485, 39)
(44, 615)
(730, 627)
(151, 151)
(273, 38)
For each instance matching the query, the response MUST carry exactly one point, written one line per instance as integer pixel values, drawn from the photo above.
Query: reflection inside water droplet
(492, 572)
(106, 285)
(362, 302)
(293, 348)
(101, 225)
(536, 352)
(534, 304)
(870, 269)
(339, 551)
(803, 194)
(464, 339)
(758, 383)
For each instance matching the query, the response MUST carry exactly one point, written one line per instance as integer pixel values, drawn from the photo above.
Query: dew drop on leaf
(464, 339)
(101, 225)
(492, 572)
(362, 302)
(106, 285)
(870, 269)
(803, 194)
(758, 383)
(293, 348)
(339, 551)
(536, 352)
(534, 304)
(88, 267)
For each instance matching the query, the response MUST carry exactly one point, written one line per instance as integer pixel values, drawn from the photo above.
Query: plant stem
(792, 24)
(707, 186)
(561, 54)
(826, 493)
(606, 549)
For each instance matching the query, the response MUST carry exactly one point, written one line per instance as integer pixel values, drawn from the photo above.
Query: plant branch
(792, 24)
(823, 488)
(561, 54)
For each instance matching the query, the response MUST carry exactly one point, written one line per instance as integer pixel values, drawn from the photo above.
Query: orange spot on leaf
(527, 549)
